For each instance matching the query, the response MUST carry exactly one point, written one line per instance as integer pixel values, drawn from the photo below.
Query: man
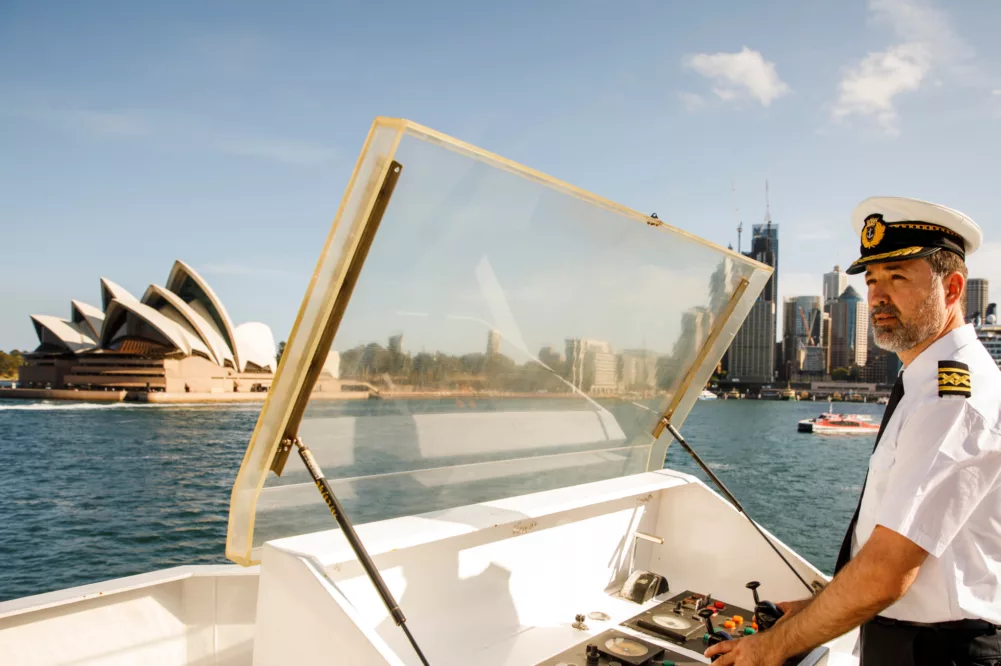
(920, 567)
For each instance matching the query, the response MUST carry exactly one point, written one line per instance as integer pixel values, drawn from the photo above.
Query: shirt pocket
(880, 465)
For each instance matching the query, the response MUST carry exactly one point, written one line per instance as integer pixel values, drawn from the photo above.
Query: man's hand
(754, 650)
(790, 608)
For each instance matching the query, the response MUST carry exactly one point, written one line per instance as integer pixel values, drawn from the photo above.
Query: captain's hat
(898, 229)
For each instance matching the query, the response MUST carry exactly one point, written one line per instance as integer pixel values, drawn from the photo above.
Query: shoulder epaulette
(954, 379)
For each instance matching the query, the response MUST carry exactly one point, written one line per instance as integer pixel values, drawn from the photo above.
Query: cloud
(869, 88)
(926, 43)
(100, 123)
(735, 75)
(286, 151)
(691, 101)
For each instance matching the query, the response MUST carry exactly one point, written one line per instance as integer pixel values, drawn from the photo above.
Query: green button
(668, 662)
(705, 638)
(748, 631)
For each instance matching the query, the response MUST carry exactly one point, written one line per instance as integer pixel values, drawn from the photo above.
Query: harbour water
(90, 492)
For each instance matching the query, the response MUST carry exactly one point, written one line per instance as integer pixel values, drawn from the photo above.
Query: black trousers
(887, 642)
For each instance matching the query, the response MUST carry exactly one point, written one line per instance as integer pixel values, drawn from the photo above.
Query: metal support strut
(733, 500)
(349, 533)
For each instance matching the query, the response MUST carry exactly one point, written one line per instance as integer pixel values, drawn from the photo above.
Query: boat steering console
(675, 632)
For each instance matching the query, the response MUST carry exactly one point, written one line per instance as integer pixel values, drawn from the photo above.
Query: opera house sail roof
(184, 319)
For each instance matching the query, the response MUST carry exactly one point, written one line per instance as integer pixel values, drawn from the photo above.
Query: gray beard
(902, 336)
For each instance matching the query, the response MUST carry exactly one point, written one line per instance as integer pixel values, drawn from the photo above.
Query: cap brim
(903, 254)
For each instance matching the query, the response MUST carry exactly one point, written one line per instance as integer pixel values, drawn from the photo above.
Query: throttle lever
(713, 635)
(766, 613)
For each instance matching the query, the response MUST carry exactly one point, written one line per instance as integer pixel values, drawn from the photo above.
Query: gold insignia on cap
(954, 379)
(872, 232)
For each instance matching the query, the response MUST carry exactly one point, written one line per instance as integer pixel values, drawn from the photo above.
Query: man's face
(906, 303)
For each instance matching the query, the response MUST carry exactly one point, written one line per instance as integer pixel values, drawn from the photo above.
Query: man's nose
(877, 295)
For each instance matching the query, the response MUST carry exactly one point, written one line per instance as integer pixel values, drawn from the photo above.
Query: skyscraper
(592, 367)
(835, 283)
(849, 330)
(493, 343)
(801, 320)
(976, 298)
(752, 354)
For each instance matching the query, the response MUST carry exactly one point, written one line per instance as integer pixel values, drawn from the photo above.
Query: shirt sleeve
(947, 459)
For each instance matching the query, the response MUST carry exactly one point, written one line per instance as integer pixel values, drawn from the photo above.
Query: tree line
(10, 362)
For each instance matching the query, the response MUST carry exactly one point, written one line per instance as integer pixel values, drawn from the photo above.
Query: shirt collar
(940, 350)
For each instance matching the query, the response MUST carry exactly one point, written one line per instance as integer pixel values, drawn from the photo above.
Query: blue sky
(132, 134)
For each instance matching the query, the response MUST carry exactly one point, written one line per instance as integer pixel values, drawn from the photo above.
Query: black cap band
(899, 241)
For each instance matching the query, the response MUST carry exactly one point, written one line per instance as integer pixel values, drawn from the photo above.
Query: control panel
(615, 648)
(692, 621)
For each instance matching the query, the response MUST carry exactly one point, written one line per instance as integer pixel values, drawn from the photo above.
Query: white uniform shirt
(935, 478)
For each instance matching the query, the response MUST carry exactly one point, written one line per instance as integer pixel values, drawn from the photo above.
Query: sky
(224, 133)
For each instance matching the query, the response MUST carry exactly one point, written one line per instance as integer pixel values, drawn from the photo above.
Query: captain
(920, 566)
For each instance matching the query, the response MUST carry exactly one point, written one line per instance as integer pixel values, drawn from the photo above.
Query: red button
(719, 605)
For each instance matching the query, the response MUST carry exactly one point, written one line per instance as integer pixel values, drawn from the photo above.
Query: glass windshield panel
(508, 334)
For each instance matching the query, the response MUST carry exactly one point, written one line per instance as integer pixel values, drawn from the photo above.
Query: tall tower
(977, 298)
(752, 354)
(849, 330)
(493, 343)
(835, 284)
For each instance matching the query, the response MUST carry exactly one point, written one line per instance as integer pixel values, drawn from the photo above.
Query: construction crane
(807, 327)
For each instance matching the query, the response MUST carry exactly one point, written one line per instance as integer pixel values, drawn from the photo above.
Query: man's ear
(954, 285)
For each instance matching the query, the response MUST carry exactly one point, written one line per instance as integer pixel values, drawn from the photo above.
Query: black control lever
(713, 635)
(766, 614)
(592, 654)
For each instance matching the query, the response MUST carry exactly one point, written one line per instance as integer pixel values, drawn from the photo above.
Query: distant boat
(882, 400)
(789, 394)
(707, 395)
(846, 424)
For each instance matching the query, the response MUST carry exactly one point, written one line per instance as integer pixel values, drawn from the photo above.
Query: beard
(900, 335)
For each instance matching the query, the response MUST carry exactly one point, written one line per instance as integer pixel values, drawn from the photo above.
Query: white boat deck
(496, 584)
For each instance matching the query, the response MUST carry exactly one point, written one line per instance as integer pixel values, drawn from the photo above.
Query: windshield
(476, 330)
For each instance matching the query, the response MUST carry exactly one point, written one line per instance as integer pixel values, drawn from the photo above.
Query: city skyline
(147, 121)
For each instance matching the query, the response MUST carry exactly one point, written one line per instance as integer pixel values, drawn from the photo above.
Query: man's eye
(897, 277)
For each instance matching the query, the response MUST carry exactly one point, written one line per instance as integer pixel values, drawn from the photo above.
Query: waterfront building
(493, 343)
(801, 323)
(396, 343)
(814, 360)
(177, 338)
(752, 353)
(552, 358)
(592, 367)
(849, 330)
(639, 369)
(835, 284)
(977, 298)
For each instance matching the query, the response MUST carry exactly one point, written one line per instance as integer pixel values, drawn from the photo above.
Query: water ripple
(90, 492)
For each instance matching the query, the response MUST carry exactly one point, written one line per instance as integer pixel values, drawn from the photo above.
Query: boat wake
(89, 406)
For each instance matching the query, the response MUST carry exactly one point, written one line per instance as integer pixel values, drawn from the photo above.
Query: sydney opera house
(177, 338)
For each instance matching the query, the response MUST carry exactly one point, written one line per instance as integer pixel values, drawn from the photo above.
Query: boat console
(690, 620)
(528, 351)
